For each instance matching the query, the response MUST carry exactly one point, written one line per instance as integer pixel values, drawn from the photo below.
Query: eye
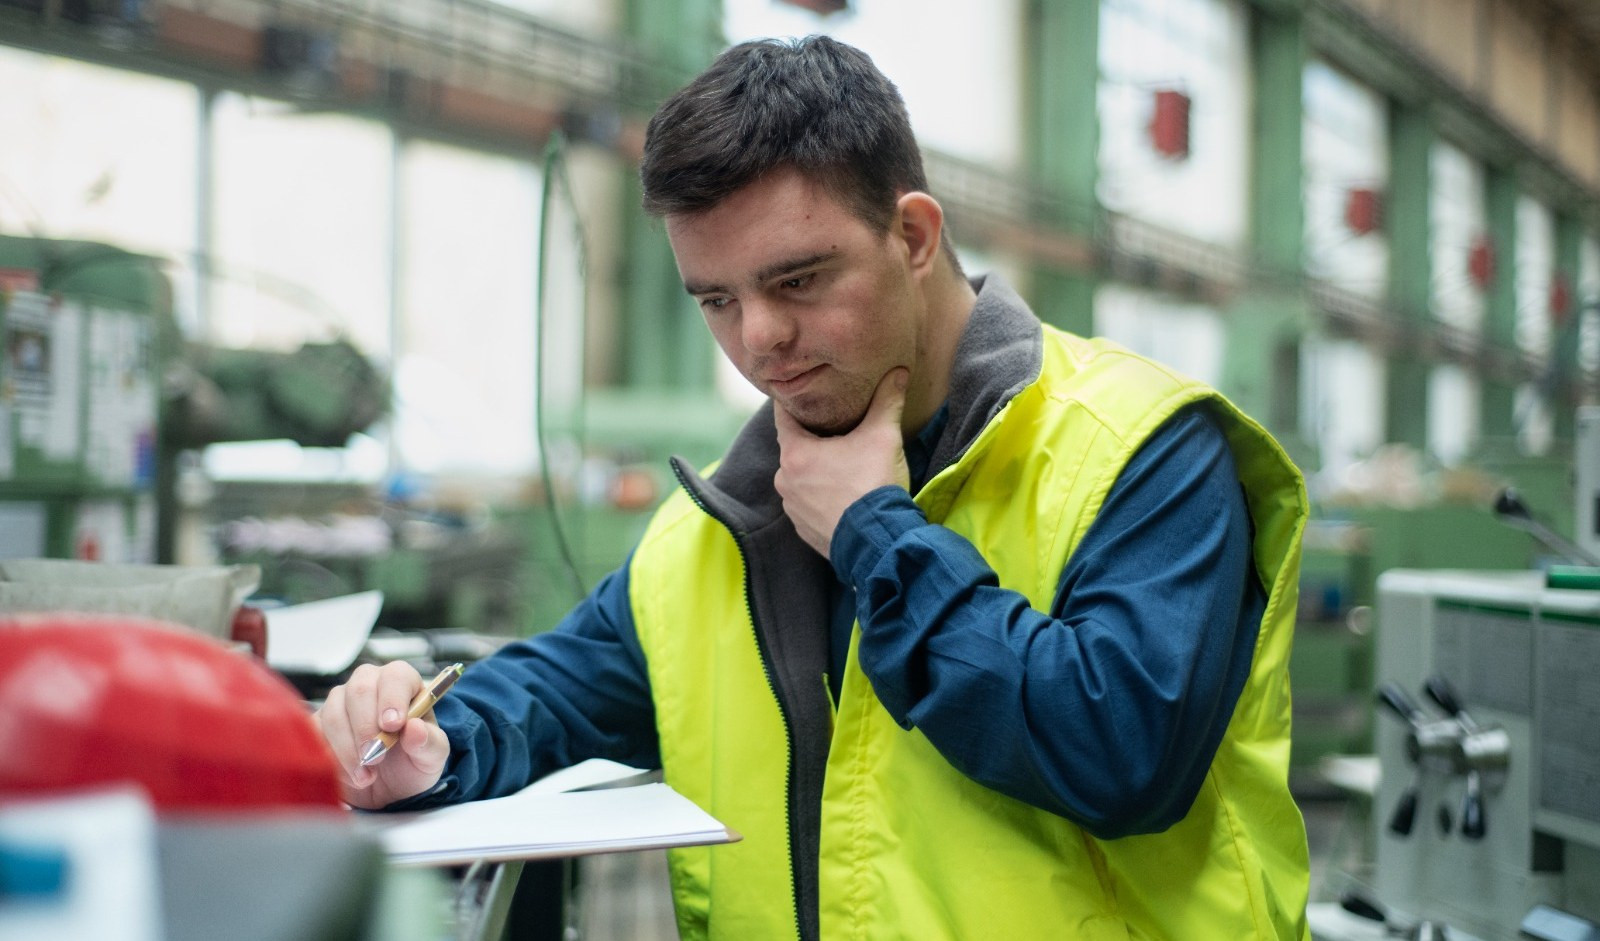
(797, 282)
(714, 303)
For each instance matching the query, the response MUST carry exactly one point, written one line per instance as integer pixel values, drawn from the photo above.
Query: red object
(1560, 299)
(94, 700)
(1363, 210)
(18, 279)
(1169, 123)
(1480, 262)
(250, 627)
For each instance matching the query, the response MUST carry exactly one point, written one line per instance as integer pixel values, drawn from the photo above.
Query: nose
(764, 327)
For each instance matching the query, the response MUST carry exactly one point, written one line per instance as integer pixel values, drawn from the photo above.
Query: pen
(375, 748)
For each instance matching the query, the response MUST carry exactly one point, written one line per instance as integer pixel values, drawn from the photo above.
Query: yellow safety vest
(911, 848)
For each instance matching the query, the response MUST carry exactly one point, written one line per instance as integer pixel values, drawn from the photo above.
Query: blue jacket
(1172, 537)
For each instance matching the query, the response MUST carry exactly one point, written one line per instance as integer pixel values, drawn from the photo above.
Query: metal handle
(1396, 699)
(1473, 824)
(1405, 813)
(1440, 691)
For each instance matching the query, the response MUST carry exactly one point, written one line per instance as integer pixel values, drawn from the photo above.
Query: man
(979, 629)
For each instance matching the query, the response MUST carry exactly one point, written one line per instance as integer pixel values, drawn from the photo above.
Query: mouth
(789, 383)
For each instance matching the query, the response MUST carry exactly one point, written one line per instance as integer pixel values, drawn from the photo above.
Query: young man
(979, 629)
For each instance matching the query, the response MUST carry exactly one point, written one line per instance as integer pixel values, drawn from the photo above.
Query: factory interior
(323, 300)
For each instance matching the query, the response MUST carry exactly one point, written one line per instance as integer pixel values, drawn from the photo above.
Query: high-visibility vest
(910, 847)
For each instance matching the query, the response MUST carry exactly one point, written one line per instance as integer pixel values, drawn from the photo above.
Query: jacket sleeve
(538, 705)
(1108, 708)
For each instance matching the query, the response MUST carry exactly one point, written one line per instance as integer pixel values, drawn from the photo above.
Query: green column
(1266, 324)
(1277, 214)
(1407, 223)
(1500, 313)
(1062, 137)
(664, 344)
(1564, 397)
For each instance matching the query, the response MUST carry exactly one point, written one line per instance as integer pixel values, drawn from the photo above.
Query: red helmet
(98, 699)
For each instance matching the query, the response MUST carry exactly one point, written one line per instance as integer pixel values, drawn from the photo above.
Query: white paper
(111, 890)
(321, 637)
(535, 825)
(593, 774)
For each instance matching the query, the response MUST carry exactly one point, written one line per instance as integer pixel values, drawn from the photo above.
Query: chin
(824, 426)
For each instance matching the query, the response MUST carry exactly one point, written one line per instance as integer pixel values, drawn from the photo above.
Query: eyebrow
(774, 270)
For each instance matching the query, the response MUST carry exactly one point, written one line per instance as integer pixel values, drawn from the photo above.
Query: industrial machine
(99, 392)
(1486, 817)
(79, 399)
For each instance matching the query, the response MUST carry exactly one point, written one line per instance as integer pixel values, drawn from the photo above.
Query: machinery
(79, 399)
(99, 393)
(1486, 817)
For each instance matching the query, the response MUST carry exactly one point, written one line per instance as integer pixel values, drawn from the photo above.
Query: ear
(921, 225)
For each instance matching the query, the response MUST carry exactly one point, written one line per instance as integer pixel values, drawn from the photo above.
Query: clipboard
(542, 822)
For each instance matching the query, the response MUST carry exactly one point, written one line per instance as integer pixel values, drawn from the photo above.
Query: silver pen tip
(372, 751)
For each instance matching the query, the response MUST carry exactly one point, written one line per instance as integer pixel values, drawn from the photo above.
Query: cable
(554, 172)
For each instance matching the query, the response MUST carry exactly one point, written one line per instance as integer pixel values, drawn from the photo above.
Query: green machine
(79, 400)
(99, 393)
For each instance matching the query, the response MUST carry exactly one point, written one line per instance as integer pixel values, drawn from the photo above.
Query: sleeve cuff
(868, 528)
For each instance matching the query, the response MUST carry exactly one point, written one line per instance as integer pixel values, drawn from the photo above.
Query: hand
(818, 478)
(352, 714)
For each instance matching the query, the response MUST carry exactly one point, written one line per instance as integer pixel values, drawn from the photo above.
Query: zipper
(833, 705)
(772, 684)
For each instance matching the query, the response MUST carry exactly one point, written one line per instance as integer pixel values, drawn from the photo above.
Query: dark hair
(814, 104)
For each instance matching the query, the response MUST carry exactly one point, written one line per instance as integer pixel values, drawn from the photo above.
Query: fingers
(425, 745)
(334, 721)
(398, 684)
(373, 698)
(788, 426)
(889, 401)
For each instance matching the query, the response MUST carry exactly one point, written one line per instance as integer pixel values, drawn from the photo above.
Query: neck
(950, 300)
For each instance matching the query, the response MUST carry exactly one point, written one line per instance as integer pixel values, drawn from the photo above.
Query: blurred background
(359, 292)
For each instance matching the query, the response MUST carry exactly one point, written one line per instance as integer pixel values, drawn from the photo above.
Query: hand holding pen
(380, 728)
(375, 748)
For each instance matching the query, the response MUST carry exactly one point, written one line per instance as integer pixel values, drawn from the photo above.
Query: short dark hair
(814, 104)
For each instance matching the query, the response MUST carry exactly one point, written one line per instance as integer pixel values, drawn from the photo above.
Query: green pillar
(1062, 51)
(1500, 314)
(1277, 213)
(1407, 224)
(1266, 324)
(664, 344)
(1565, 396)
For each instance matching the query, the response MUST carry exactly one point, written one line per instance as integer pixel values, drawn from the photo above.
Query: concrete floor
(625, 897)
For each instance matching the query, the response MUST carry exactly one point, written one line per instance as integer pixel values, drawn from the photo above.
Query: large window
(423, 256)
(1456, 206)
(1198, 49)
(98, 154)
(465, 378)
(955, 63)
(1346, 145)
(1533, 418)
(1458, 226)
(1186, 336)
(1345, 384)
(301, 221)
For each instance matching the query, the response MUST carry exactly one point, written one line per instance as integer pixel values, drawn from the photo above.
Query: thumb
(889, 401)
